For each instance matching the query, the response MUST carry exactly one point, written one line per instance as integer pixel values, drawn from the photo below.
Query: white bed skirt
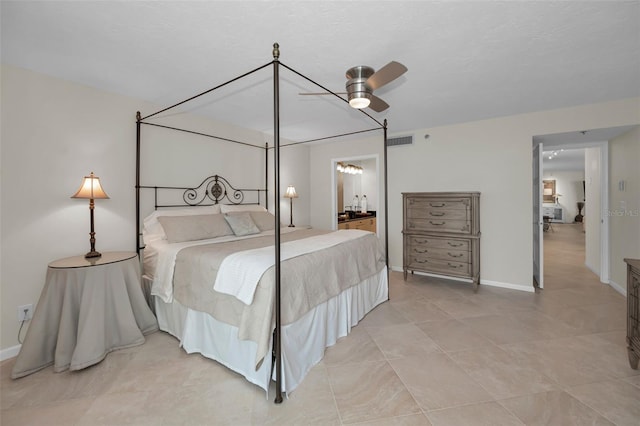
(303, 342)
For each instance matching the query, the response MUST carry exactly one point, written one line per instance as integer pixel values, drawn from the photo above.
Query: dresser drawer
(436, 242)
(440, 253)
(424, 262)
(433, 203)
(449, 214)
(439, 225)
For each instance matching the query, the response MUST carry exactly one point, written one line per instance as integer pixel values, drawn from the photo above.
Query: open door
(538, 253)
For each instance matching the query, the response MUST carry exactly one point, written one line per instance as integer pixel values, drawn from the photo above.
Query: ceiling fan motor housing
(356, 84)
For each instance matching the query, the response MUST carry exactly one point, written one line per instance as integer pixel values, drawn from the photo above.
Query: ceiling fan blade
(377, 104)
(386, 74)
(320, 93)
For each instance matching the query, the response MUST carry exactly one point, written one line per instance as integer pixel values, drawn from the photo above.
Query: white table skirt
(83, 314)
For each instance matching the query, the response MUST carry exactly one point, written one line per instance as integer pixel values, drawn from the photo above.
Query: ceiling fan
(363, 80)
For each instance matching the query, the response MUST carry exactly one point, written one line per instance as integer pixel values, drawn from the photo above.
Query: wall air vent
(402, 140)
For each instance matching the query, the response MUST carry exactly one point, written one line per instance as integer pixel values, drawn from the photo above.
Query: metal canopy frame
(275, 64)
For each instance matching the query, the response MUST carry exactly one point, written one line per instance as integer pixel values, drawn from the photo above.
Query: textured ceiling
(569, 146)
(467, 60)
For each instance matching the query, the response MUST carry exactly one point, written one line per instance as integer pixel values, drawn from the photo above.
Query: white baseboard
(9, 352)
(482, 282)
(510, 286)
(619, 288)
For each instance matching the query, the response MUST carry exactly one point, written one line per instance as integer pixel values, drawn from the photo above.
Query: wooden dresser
(441, 234)
(633, 311)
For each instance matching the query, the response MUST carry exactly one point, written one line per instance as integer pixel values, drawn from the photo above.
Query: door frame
(538, 223)
(604, 199)
(334, 187)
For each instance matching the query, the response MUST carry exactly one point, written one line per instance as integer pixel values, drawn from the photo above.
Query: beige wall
(322, 175)
(490, 156)
(624, 205)
(55, 132)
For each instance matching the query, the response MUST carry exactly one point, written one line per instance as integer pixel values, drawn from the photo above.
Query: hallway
(564, 258)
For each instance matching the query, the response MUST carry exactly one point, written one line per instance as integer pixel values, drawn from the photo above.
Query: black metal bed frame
(215, 187)
(212, 190)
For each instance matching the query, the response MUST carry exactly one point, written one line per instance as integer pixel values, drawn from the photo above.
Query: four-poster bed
(355, 261)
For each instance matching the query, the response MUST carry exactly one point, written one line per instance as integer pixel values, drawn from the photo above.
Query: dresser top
(443, 194)
(633, 262)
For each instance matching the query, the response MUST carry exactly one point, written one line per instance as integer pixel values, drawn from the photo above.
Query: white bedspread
(240, 272)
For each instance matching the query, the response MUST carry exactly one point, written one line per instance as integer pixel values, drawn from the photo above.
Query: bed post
(138, 119)
(276, 195)
(266, 175)
(386, 201)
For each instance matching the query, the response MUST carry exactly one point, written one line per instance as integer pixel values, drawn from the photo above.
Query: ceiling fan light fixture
(359, 100)
(358, 93)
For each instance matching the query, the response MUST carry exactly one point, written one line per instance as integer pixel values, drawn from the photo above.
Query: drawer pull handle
(454, 255)
(420, 251)
(437, 205)
(422, 241)
(453, 266)
(455, 245)
(420, 261)
(436, 223)
(436, 213)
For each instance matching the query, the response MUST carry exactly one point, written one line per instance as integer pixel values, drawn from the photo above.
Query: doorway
(596, 189)
(365, 183)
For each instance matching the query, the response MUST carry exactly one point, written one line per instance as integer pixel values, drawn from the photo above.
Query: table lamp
(291, 194)
(91, 189)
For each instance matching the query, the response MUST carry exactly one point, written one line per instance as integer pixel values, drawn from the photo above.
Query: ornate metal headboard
(213, 190)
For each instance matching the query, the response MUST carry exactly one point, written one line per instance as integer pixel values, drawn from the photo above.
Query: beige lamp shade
(90, 188)
(290, 192)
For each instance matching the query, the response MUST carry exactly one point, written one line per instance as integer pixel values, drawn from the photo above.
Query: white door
(538, 253)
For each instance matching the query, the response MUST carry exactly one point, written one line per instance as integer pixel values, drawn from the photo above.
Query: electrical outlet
(25, 312)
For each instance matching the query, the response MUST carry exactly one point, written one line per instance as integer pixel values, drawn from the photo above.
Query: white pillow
(241, 224)
(194, 227)
(228, 208)
(152, 229)
(265, 221)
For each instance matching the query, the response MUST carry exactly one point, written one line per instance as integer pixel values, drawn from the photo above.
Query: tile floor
(436, 354)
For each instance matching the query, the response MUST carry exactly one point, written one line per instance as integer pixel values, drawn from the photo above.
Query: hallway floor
(437, 353)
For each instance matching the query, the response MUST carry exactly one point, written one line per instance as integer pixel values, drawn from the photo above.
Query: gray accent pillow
(194, 227)
(241, 223)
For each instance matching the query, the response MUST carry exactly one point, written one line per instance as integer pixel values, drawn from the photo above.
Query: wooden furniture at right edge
(633, 311)
(441, 234)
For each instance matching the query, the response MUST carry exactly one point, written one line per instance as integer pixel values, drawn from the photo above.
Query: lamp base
(292, 226)
(92, 254)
